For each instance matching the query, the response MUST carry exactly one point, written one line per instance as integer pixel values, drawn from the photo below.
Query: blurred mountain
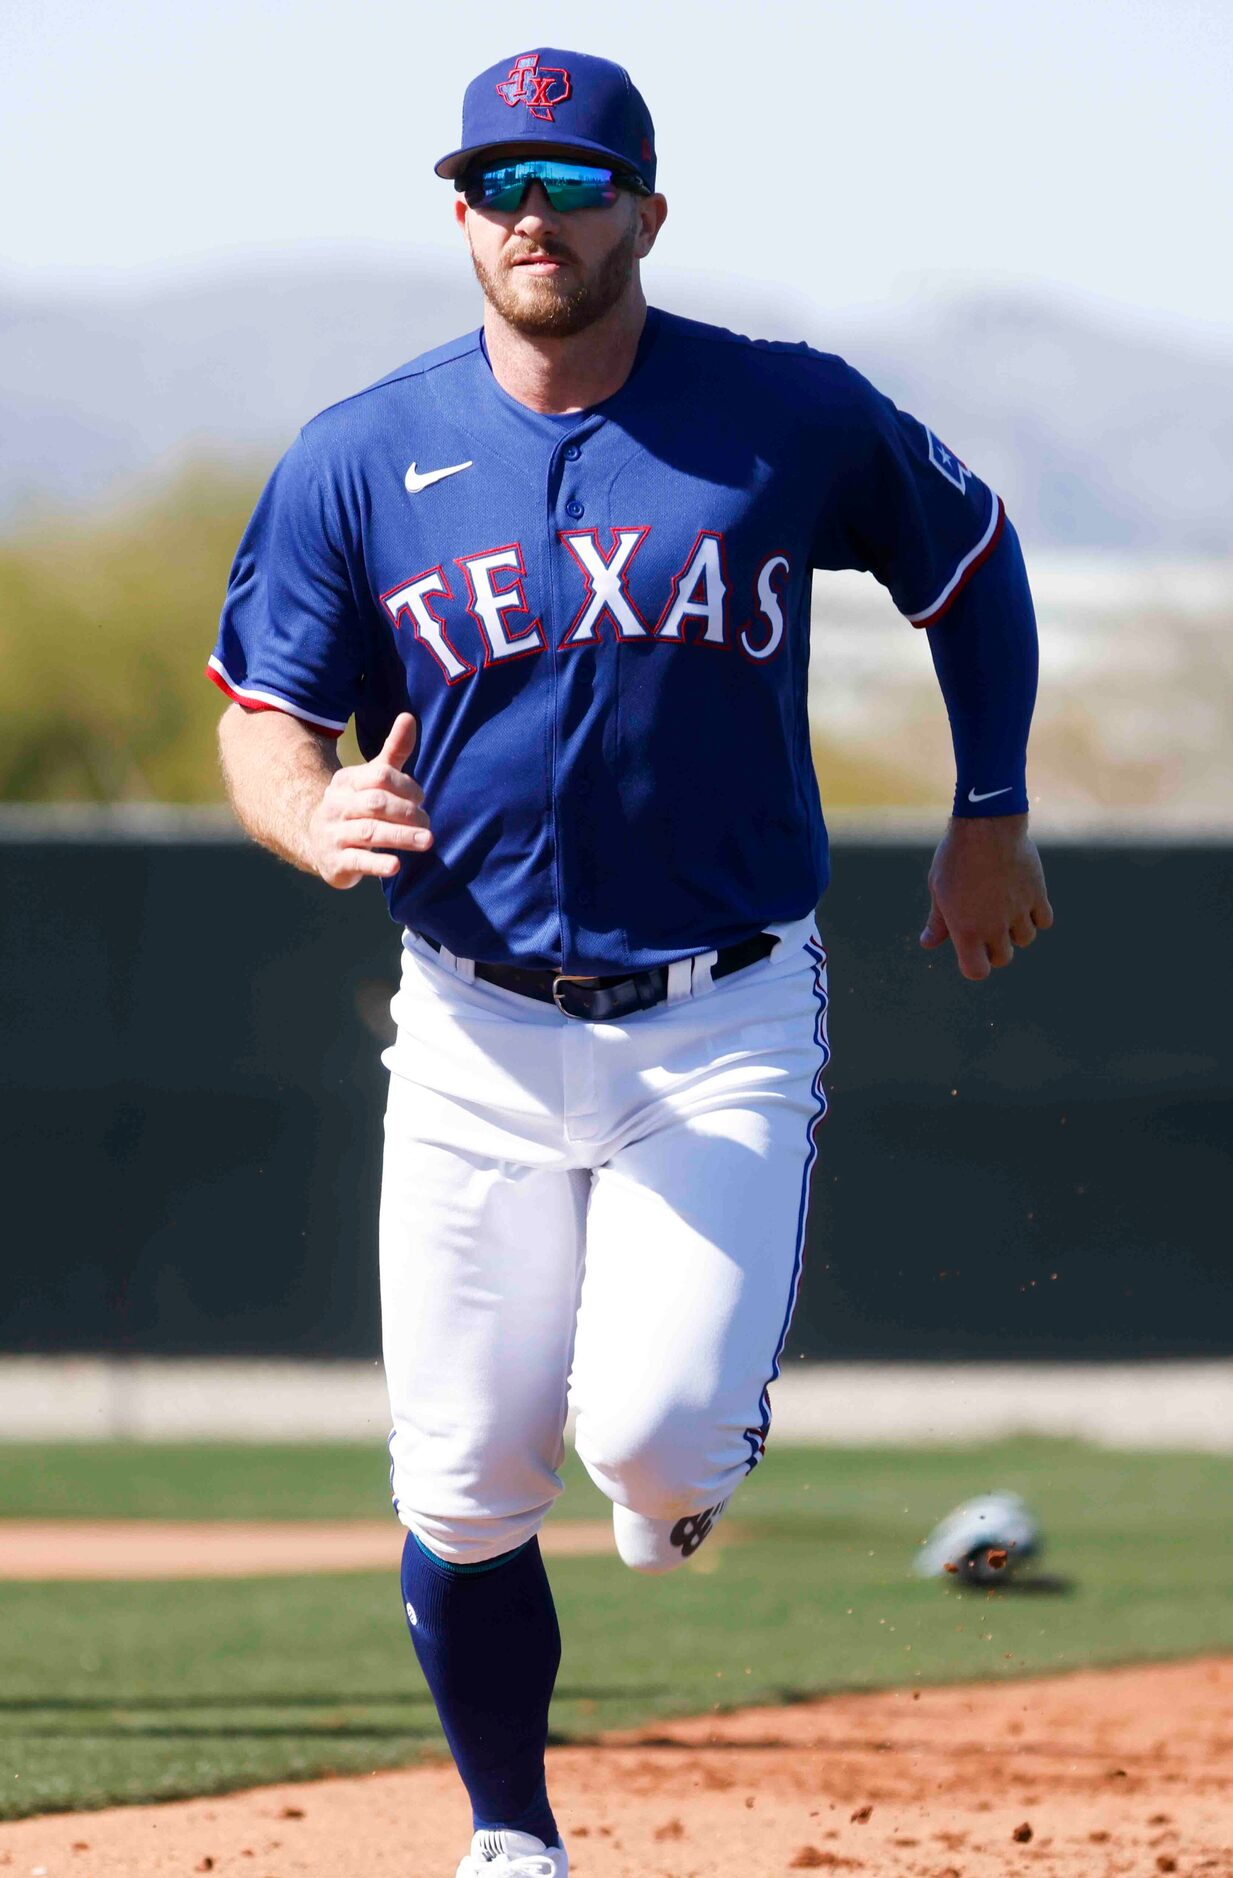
(97, 391)
(1096, 435)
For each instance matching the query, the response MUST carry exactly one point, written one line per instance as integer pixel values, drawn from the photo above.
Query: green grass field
(114, 1692)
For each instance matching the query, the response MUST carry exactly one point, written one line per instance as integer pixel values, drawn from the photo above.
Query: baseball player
(559, 572)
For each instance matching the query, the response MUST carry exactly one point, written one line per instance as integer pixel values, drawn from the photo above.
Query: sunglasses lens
(580, 195)
(496, 189)
(567, 186)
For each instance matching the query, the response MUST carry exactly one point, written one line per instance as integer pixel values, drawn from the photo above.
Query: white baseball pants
(611, 1211)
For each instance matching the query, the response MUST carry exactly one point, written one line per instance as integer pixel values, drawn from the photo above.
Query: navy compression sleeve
(984, 652)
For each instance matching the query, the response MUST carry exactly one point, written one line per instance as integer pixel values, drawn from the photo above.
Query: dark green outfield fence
(192, 1090)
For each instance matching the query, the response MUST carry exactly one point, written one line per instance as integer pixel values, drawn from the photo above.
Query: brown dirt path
(1099, 1774)
(54, 1551)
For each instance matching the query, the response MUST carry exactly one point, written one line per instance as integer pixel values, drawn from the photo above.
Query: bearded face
(549, 287)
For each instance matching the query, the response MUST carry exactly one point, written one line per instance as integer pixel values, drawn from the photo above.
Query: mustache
(549, 249)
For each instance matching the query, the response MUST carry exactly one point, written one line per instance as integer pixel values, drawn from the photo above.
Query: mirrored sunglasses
(568, 186)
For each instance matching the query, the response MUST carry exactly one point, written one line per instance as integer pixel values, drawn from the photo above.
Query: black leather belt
(600, 1000)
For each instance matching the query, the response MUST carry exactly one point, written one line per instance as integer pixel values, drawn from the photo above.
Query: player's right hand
(368, 808)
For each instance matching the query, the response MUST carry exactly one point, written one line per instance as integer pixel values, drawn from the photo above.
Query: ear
(652, 212)
(460, 211)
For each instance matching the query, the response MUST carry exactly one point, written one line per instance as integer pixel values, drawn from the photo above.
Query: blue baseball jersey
(601, 624)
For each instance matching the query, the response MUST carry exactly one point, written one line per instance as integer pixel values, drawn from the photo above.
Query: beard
(541, 309)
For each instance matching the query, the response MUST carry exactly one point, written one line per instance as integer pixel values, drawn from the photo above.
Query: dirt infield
(55, 1551)
(1091, 1775)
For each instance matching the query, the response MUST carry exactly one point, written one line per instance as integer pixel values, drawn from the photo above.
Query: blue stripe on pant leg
(756, 1437)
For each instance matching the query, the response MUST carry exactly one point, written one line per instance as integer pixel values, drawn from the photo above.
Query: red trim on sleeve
(944, 605)
(267, 704)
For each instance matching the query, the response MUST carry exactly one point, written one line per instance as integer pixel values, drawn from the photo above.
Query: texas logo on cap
(538, 89)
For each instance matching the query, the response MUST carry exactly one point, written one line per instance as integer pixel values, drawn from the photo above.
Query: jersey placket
(565, 509)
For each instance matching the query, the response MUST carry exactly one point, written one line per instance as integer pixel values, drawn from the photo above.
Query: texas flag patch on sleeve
(947, 463)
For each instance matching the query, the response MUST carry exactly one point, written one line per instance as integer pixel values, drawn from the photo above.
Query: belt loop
(680, 979)
(465, 968)
(781, 933)
(701, 973)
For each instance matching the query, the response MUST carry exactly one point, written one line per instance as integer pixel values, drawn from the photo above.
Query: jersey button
(572, 452)
(574, 510)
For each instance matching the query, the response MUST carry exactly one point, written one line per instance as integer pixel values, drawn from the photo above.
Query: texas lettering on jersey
(695, 610)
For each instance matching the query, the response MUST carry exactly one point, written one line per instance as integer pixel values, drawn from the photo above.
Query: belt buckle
(569, 978)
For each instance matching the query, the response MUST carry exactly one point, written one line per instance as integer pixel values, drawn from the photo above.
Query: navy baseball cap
(564, 100)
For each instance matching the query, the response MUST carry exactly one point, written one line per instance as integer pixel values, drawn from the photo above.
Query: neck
(570, 374)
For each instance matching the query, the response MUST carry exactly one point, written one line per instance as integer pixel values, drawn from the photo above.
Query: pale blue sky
(863, 152)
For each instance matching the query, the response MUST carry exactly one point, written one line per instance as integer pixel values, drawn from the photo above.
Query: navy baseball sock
(489, 1646)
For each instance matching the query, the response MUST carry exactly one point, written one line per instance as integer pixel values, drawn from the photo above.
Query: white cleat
(513, 1855)
(983, 1540)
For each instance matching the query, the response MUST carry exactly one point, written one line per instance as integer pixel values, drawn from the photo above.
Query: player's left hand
(987, 892)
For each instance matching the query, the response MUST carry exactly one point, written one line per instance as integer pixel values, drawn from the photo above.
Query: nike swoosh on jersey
(989, 793)
(414, 481)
